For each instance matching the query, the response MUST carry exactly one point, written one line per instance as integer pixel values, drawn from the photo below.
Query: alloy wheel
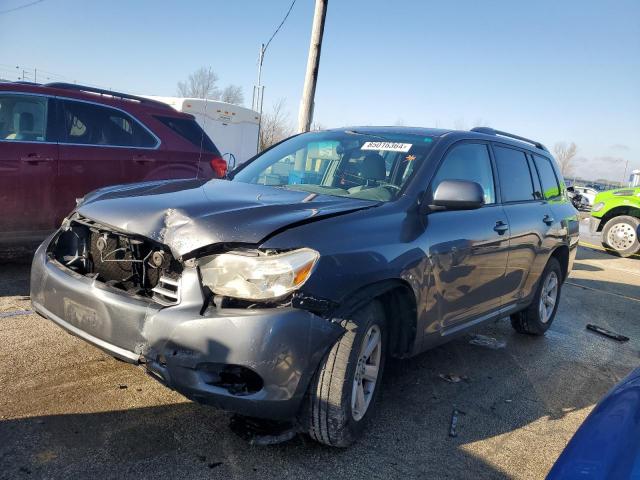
(367, 370)
(548, 297)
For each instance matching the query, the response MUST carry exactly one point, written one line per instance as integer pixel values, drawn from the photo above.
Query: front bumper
(594, 224)
(178, 345)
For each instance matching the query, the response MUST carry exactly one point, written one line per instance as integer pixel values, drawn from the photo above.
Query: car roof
(481, 133)
(96, 95)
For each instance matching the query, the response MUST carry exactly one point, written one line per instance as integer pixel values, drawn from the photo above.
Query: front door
(28, 168)
(89, 155)
(468, 249)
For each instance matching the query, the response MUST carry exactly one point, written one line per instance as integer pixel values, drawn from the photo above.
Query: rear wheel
(343, 391)
(621, 234)
(537, 318)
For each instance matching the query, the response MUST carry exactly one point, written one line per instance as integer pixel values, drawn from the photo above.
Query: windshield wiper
(373, 135)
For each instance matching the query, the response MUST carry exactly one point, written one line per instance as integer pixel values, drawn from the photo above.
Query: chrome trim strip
(139, 122)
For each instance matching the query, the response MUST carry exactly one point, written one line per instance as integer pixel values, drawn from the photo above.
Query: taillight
(219, 166)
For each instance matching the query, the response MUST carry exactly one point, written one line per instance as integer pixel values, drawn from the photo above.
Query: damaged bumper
(255, 362)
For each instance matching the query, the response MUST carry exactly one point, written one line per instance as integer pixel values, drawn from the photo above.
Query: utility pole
(313, 65)
(258, 94)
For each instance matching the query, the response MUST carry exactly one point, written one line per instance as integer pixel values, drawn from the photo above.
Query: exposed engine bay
(133, 264)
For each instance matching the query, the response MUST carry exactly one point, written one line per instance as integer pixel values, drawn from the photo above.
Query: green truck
(616, 213)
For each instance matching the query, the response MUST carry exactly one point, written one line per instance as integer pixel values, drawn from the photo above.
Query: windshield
(346, 163)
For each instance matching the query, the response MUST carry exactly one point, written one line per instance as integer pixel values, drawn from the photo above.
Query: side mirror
(230, 158)
(458, 195)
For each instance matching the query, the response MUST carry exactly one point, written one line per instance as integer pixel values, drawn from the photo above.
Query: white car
(587, 192)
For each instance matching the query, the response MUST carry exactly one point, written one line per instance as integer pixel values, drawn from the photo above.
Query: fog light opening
(237, 380)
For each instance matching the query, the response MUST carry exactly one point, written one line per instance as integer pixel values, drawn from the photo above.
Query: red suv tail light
(219, 166)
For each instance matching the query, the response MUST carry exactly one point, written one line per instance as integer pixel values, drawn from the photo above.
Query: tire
(622, 235)
(533, 320)
(329, 416)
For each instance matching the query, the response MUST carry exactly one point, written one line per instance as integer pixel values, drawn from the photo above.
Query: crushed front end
(128, 295)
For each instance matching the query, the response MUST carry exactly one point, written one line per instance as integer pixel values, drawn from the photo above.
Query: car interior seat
(23, 125)
(371, 171)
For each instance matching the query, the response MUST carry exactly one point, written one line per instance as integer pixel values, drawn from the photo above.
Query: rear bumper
(179, 347)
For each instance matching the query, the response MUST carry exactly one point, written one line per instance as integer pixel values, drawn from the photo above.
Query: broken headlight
(257, 275)
(597, 207)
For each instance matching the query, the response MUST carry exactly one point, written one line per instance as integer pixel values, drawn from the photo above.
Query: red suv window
(89, 124)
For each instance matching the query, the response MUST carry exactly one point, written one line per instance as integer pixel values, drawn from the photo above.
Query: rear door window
(550, 185)
(468, 161)
(89, 124)
(23, 118)
(191, 131)
(516, 184)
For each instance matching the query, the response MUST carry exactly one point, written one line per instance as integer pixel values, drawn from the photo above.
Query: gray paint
(459, 267)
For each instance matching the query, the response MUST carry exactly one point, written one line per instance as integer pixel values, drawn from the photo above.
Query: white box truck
(234, 129)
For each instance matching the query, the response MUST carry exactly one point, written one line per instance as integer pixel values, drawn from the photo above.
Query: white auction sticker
(387, 146)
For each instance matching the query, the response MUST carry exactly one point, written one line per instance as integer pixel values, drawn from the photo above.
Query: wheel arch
(561, 253)
(630, 210)
(400, 307)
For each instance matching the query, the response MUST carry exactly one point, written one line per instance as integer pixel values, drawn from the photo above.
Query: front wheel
(343, 391)
(621, 235)
(537, 318)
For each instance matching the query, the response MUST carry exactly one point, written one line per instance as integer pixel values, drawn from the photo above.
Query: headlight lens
(597, 207)
(257, 276)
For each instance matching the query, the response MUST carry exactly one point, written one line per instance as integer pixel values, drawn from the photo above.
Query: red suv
(60, 141)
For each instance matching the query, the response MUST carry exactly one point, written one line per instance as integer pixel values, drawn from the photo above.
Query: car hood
(186, 215)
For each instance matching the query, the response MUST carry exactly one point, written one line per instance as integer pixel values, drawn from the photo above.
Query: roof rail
(101, 91)
(491, 131)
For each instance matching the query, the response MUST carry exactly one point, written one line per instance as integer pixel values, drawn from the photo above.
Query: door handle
(142, 160)
(35, 159)
(501, 227)
(548, 219)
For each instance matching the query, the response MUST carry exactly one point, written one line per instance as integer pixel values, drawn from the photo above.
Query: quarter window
(23, 118)
(89, 124)
(471, 162)
(550, 186)
(515, 177)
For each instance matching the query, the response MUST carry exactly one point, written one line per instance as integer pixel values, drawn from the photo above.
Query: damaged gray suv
(279, 291)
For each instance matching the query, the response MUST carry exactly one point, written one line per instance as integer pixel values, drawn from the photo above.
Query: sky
(555, 71)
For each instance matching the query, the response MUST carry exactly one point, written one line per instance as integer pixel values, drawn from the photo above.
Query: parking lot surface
(68, 410)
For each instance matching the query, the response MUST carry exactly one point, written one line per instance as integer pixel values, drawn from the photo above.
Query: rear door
(529, 220)
(468, 248)
(99, 146)
(191, 151)
(28, 166)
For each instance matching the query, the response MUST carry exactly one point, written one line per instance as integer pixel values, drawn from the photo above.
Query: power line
(20, 7)
(279, 26)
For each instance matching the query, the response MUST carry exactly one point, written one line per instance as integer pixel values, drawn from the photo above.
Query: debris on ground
(15, 313)
(488, 342)
(607, 333)
(214, 464)
(453, 427)
(262, 432)
(452, 378)
(122, 386)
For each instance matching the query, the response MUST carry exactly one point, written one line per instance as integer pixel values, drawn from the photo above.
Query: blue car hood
(607, 444)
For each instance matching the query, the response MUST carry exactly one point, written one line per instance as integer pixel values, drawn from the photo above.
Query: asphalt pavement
(68, 410)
